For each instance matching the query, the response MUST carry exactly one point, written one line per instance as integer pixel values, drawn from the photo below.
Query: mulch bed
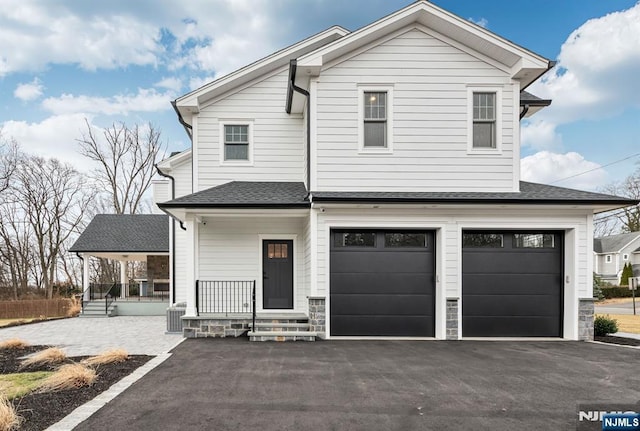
(41, 410)
(617, 340)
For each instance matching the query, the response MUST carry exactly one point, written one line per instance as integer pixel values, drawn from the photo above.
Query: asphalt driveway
(231, 384)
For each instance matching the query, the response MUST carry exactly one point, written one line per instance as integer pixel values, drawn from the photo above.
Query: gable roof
(245, 194)
(614, 243)
(125, 233)
(191, 102)
(530, 193)
(524, 64)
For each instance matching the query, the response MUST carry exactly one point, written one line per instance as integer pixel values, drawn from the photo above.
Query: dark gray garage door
(512, 284)
(382, 283)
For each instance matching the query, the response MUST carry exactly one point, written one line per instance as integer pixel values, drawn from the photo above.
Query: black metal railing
(111, 296)
(132, 291)
(226, 297)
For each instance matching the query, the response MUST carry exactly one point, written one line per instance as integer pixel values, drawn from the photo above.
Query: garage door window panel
(533, 240)
(355, 239)
(405, 240)
(482, 240)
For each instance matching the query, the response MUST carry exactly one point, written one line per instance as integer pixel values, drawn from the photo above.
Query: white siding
(229, 249)
(161, 193)
(430, 80)
(182, 175)
(278, 153)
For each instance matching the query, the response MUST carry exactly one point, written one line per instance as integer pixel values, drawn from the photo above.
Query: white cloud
(145, 100)
(597, 71)
(52, 33)
(53, 137)
(171, 83)
(547, 167)
(196, 82)
(214, 37)
(540, 135)
(29, 91)
(482, 22)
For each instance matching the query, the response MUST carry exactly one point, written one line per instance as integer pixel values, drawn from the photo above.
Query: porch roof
(529, 194)
(245, 194)
(125, 233)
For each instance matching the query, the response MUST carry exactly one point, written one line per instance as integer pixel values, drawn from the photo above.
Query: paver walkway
(142, 335)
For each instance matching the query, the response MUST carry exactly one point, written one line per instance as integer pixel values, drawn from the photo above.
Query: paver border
(83, 412)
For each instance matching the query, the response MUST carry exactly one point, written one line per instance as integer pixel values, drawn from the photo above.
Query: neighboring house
(368, 184)
(612, 253)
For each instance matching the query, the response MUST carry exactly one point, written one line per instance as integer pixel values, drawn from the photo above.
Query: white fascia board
(260, 67)
(175, 160)
(424, 13)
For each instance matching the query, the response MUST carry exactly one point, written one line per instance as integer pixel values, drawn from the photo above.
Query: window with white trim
(608, 258)
(625, 257)
(375, 109)
(236, 141)
(484, 119)
(375, 119)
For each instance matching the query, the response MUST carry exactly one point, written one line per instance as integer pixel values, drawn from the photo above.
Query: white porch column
(192, 243)
(85, 277)
(123, 278)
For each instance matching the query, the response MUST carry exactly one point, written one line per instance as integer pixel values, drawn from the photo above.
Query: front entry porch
(229, 309)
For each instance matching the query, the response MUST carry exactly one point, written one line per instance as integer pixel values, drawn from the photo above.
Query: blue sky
(64, 61)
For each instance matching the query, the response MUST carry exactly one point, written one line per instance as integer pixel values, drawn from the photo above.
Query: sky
(66, 63)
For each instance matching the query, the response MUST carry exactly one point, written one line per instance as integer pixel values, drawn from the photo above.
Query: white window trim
(483, 89)
(224, 123)
(625, 257)
(608, 258)
(380, 88)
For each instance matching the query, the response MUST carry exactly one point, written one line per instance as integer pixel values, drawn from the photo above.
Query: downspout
(173, 231)
(291, 88)
(524, 111)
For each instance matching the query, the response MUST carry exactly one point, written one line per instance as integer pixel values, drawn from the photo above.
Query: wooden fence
(35, 308)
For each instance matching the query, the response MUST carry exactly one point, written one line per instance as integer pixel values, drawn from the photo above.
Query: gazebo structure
(127, 238)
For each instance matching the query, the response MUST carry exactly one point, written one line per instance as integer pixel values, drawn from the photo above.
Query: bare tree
(53, 198)
(126, 158)
(8, 161)
(625, 219)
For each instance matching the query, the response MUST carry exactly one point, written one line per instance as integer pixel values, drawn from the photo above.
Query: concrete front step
(281, 327)
(282, 335)
(96, 309)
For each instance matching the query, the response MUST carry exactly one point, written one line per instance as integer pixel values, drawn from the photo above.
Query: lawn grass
(7, 322)
(19, 384)
(626, 322)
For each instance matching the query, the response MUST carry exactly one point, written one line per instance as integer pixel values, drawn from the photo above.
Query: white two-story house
(367, 184)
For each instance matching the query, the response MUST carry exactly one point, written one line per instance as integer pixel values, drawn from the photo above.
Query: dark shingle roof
(530, 193)
(245, 194)
(125, 233)
(613, 243)
(527, 98)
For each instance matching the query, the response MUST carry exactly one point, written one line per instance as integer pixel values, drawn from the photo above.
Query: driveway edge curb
(82, 413)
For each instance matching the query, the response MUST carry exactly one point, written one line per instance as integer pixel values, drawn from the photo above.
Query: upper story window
(625, 257)
(236, 142)
(608, 258)
(484, 132)
(484, 120)
(376, 119)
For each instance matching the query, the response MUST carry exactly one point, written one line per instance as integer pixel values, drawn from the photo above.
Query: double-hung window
(375, 119)
(376, 115)
(236, 142)
(484, 119)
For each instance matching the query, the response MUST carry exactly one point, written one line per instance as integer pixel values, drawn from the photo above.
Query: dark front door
(277, 274)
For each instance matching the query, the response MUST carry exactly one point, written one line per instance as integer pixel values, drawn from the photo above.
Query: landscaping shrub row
(617, 292)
